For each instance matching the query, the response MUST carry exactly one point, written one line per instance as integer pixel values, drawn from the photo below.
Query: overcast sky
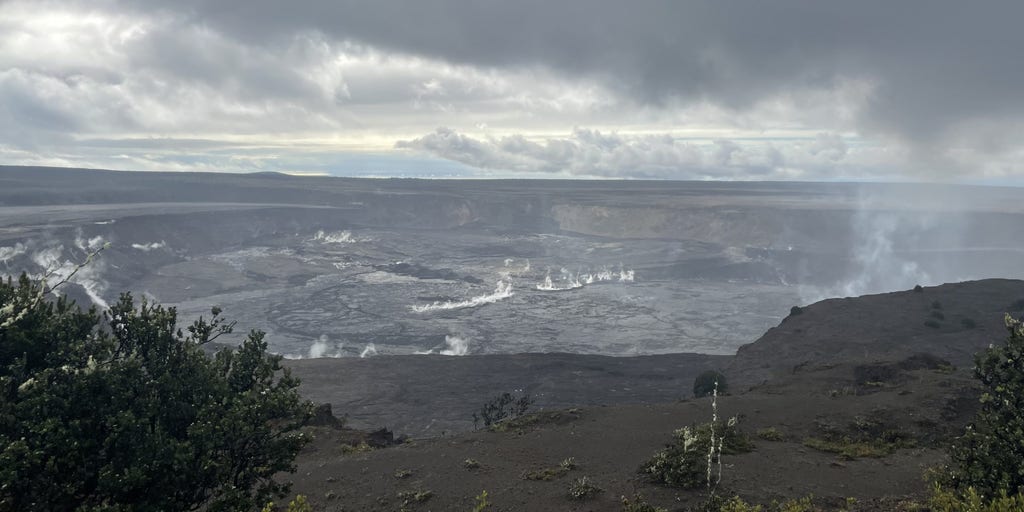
(808, 90)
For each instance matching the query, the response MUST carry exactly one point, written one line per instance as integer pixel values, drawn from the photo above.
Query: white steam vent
(503, 290)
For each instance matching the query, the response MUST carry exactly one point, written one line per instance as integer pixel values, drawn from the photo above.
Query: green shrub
(769, 434)
(583, 489)
(481, 502)
(987, 457)
(704, 384)
(796, 310)
(918, 288)
(684, 462)
(133, 414)
(737, 504)
(639, 504)
(410, 497)
(502, 407)
(969, 500)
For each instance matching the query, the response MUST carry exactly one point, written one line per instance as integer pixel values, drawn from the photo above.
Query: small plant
(639, 504)
(583, 489)
(544, 475)
(796, 310)
(470, 464)
(968, 323)
(737, 504)
(770, 434)
(932, 323)
(918, 289)
(299, 504)
(502, 407)
(482, 503)
(684, 463)
(402, 474)
(568, 464)
(410, 497)
(362, 447)
(705, 383)
(854, 448)
(938, 315)
(936, 304)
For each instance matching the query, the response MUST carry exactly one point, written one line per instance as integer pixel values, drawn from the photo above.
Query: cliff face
(952, 322)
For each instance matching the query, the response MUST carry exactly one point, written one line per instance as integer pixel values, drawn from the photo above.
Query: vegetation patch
(534, 419)
(850, 449)
(583, 489)
(127, 411)
(412, 497)
(546, 474)
(987, 457)
(639, 504)
(737, 504)
(706, 383)
(770, 434)
(362, 447)
(684, 462)
(503, 407)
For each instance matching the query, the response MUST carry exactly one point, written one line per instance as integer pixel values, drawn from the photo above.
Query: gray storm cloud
(935, 63)
(591, 153)
(931, 86)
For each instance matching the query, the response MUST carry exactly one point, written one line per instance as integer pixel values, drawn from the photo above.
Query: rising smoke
(152, 246)
(502, 290)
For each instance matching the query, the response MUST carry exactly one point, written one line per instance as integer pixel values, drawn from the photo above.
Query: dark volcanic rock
(888, 327)
(427, 395)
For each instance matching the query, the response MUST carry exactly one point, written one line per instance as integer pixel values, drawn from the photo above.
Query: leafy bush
(502, 407)
(987, 457)
(583, 489)
(737, 504)
(418, 496)
(796, 310)
(918, 289)
(125, 412)
(770, 434)
(704, 384)
(684, 463)
(299, 504)
(481, 502)
(945, 500)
